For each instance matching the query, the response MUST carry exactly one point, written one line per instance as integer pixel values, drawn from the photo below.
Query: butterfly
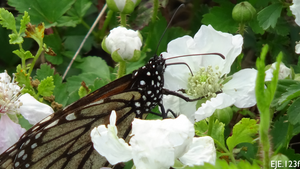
(62, 140)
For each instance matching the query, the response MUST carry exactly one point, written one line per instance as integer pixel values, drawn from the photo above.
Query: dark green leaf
(269, 15)
(279, 132)
(42, 11)
(74, 82)
(80, 7)
(60, 91)
(293, 112)
(55, 43)
(95, 65)
(293, 91)
(220, 18)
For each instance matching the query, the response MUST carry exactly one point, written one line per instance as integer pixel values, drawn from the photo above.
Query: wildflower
(13, 103)
(154, 143)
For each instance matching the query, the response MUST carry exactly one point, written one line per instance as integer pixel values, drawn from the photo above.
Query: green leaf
(98, 83)
(60, 91)
(55, 43)
(282, 27)
(15, 39)
(279, 132)
(23, 55)
(45, 88)
(22, 78)
(43, 11)
(201, 128)
(44, 71)
(69, 21)
(242, 132)
(269, 15)
(293, 112)
(293, 91)
(24, 21)
(253, 24)
(220, 18)
(74, 82)
(7, 20)
(218, 132)
(79, 8)
(95, 65)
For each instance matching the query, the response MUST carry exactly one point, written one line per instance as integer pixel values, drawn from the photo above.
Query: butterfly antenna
(182, 5)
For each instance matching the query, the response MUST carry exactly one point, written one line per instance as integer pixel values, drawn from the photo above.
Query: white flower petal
(10, 132)
(283, 72)
(33, 110)
(179, 106)
(5, 77)
(157, 143)
(208, 108)
(295, 8)
(202, 150)
(242, 88)
(107, 143)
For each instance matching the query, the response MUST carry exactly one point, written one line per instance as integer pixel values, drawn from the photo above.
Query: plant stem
(38, 53)
(122, 69)
(106, 22)
(123, 19)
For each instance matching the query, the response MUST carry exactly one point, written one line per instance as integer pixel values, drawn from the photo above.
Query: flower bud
(123, 6)
(224, 115)
(243, 12)
(123, 44)
(280, 161)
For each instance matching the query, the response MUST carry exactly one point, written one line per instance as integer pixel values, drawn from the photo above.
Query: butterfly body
(62, 140)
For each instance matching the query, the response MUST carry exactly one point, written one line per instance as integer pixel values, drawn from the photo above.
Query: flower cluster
(13, 103)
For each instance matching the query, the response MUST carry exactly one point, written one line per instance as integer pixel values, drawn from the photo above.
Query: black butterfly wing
(62, 140)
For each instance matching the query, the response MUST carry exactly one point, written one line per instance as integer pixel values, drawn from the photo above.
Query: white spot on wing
(24, 157)
(142, 82)
(17, 164)
(21, 153)
(33, 145)
(38, 135)
(137, 104)
(27, 165)
(46, 119)
(52, 124)
(71, 116)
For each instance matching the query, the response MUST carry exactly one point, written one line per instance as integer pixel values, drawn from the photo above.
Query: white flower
(123, 44)
(208, 71)
(123, 6)
(154, 143)
(284, 72)
(295, 8)
(297, 48)
(13, 103)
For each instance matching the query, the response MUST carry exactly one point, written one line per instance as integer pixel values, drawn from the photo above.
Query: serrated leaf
(254, 25)
(60, 91)
(24, 21)
(279, 132)
(95, 65)
(282, 27)
(293, 112)
(201, 128)
(98, 83)
(220, 17)
(43, 11)
(218, 132)
(22, 78)
(23, 55)
(242, 132)
(44, 71)
(46, 87)
(269, 15)
(15, 39)
(69, 21)
(293, 91)
(7, 20)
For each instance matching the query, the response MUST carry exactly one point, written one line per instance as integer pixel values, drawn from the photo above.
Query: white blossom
(284, 72)
(13, 103)
(154, 143)
(123, 44)
(295, 8)
(209, 71)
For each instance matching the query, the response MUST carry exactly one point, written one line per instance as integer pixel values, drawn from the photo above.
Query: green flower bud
(224, 115)
(280, 161)
(123, 6)
(243, 12)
